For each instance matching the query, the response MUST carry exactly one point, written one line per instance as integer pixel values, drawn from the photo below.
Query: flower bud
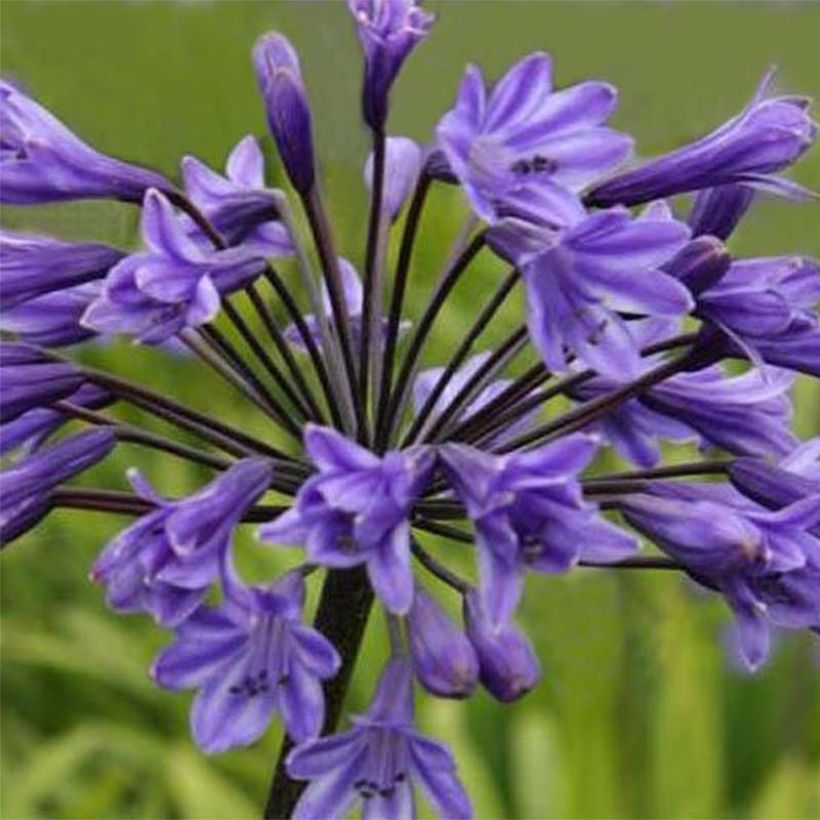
(508, 667)
(700, 264)
(283, 92)
(444, 660)
(402, 166)
(769, 135)
(717, 211)
(32, 380)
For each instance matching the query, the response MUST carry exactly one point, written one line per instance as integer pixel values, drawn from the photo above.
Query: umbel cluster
(643, 325)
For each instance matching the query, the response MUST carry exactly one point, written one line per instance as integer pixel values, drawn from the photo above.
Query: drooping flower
(601, 265)
(378, 762)
(26, 487)
(403, 159)
(524, 134)
(388, 30)
(444, 660)
(34, 427)
(766, 308)
(766, 564)
(164, 563)
(32, 379)
(31, 266)
(43, 161)
(250, 657)
(529, 513)
(508, 666)
(770, 134)
(174, 285)
(279, 77)
(238, 204)
(356, 511)
(745, 415)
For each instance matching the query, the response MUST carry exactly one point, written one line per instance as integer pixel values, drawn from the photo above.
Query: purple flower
(25, 488)
(508, 665)
(523, 134)
(388, 30)
(765, 307)
(600, 265)
(402, 167)
(378, 762)
(792, 478)
(238, 204)
(717, 211)
(767, 136)
(250, 657)
(443, 658)
(765, 563)
(173, 285)
(529, 513)
(356, 511)
(164, 562)
(52, 320)
(32, 379)
(42, 161)
(32, 266)
(33, 428)
(280, 83)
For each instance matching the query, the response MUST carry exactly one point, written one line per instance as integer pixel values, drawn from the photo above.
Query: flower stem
(374, 260)
(342, 616)
(420, 424)
(408, 239)
(323, 238)
(408, 370)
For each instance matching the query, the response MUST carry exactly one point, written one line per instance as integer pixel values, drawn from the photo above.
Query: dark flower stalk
(391, 456)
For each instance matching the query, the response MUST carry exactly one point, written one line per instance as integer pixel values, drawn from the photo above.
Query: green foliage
(640, 714)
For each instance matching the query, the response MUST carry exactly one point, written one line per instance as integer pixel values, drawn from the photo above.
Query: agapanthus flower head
(356, 511)
(388, 30)
(379, 761)
(624, 331)
(43, 161)
(31, 266)
(250, 657)
(26, 487)
(524, 134)
(173, 285)
(770, 134)
(238, 204)
(279, 77)
(164, 563)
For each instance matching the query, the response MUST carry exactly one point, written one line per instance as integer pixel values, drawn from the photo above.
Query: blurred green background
(640, 713)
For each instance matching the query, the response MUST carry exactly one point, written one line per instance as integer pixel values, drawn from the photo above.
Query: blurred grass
(640, 714)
